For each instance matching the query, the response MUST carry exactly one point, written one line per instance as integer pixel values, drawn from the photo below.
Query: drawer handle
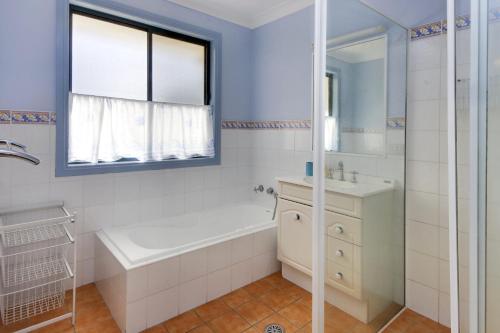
(339, 230)
(339, 276)
(297, 217)
(339, 253)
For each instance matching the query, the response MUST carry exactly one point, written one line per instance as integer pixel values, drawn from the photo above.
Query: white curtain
(331, 134)
(103, 129)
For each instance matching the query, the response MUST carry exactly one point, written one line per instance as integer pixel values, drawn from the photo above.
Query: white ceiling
(360, 52)
(248, 13)
(254, 13)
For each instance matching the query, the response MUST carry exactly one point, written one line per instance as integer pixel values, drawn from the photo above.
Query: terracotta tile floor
(249, 309)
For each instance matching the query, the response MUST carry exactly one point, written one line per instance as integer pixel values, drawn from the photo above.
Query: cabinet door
(295, 233)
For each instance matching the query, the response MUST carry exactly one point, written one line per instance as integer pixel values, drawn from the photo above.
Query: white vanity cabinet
(358, 272)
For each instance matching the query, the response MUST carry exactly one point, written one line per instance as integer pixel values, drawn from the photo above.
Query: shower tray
(35, 247)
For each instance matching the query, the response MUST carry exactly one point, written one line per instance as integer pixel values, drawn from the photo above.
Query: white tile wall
(124, 198)
(427, 266)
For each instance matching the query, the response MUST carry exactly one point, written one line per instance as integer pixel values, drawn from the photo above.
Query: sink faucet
(341, 169)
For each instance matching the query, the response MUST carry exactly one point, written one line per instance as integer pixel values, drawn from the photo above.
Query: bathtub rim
(127, 265)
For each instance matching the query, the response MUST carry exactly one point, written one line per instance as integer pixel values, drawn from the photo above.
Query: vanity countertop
(360, 190)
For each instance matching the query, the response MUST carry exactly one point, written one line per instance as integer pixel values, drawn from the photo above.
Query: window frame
(152, 24)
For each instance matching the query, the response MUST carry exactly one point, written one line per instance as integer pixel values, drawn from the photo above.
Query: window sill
(118, 167)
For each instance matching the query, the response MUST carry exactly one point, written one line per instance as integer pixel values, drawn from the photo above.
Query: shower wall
(427, 174)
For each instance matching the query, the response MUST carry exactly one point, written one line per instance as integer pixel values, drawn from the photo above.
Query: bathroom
(234, 196)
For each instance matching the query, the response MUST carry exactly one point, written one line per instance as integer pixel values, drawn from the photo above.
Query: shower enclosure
(358, 246)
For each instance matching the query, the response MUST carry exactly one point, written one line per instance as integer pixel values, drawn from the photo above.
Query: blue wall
(283, 67)
(266, 72)
(27, 56)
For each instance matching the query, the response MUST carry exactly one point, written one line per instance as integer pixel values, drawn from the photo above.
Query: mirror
(355, 96)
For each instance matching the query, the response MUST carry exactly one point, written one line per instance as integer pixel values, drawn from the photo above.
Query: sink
(333, 183)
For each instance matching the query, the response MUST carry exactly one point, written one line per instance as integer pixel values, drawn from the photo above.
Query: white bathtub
(145, 243)
(178, 263)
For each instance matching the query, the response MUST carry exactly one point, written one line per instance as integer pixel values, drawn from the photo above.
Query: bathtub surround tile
(193, 265)
(136, 316)
(264, 265)
(192, 294)
(163, 275)
(137, 286)
(218, 256)
(241, 248)
(241, 274)
(162, 306)
(218, 283)
(265, 241)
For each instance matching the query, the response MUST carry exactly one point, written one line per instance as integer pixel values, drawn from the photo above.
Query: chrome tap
(341, 169)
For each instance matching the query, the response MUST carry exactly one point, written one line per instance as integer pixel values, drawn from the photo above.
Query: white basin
(367, 186)
(332, 184)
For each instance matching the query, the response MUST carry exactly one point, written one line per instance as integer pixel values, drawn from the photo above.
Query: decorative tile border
(46, 118)
(266, 124)
(360, 130)
(4, 117)
(396, 122)
(27, 117)
(426, 30)
(436, 28)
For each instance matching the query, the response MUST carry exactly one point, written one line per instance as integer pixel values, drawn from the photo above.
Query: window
(138, 95)
(332, 114)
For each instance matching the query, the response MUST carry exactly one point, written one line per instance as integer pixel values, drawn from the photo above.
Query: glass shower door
(492, 230)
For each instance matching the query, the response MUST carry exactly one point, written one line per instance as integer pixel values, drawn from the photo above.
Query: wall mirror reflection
(356, 96)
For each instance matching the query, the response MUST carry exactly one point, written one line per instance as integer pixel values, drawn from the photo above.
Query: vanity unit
(359, 272)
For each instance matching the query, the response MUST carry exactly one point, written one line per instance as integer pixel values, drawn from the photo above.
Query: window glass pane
(178, 71)
(108, 59)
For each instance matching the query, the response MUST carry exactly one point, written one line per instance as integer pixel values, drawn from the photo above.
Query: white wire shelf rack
(31, 302)
(34, 247)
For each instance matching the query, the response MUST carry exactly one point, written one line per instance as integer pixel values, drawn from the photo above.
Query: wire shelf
(35, 214)
(34, 244)
(27, 265)
(31, 302)
(35, 273)
(33, 235)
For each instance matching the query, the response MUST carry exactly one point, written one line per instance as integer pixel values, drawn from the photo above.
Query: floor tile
(297, 313)
(183, 323)
(202, 329)
(212, 309)
(237, 297)
(258, 288)
(156, 329)
(277, 299)
(230, 322)
(275, 319)
(254, 311)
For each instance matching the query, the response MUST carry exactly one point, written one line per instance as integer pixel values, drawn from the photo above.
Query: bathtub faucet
(258, 188)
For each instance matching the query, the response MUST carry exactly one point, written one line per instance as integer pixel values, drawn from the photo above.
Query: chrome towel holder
(16, 150)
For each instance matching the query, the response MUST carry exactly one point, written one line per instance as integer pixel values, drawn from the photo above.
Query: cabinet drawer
(344, 279)
(343, 253)
(343, 227)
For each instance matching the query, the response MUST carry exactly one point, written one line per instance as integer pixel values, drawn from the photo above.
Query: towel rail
(10, 152)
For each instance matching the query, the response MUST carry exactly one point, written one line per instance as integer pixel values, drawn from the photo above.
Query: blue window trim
(63, 169)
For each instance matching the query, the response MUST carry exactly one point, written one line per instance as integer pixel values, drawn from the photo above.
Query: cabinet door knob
(339, 229)
(297, 217)
(339, 276)
(339, 253)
